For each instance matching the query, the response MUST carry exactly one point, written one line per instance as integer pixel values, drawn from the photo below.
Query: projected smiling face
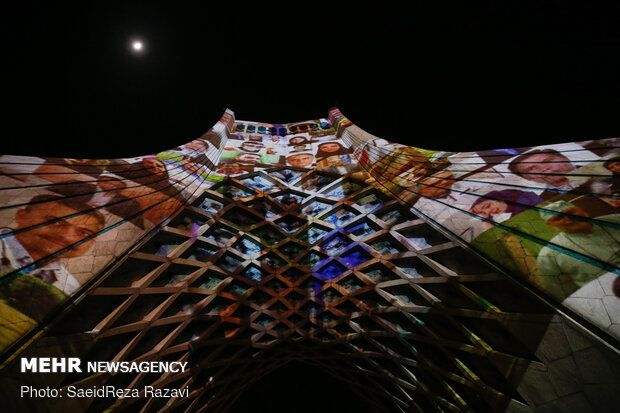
(301, 161)
(48, 239)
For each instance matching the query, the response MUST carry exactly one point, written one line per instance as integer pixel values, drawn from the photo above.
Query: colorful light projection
(277, 234)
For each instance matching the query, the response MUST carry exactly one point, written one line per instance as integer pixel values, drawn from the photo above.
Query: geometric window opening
(329, 271)
(340, 217)
(140, 308)
(264, 208)
(406, 295)
(294, 298)
(423, 236)
(379, 273)
(235, 288)
(220, 233)
(373, 300)
(414, 267)
(295, 320)
(329, 296)
(327, 317)
(355, 256)
(386, 245)
(335, 244)
(199, 251)
(344, 189)
(351, 283)
(229, 262)
(192, 331)
(392, 216)
(163, 244)
(260, 183)
(312, 259)
(275, 285)
(268, 234)
(186, 302)
(272, 260)
(152, 338)
(313, 234)
(291, 200)
(175, 274)
(241, 217)
(188, 221)
(209, 280)
(294, 275)
(292, 250)
(211, 205)
(400, 322)
(278, 308)
(315, 207)
(254, 273)
(286, 175)
(247, 246)
(316, 182)
(263, 320)
(217, 306)
(290, 223)
(370, 201)
(348, 308)
(233, 191)
(362, 229)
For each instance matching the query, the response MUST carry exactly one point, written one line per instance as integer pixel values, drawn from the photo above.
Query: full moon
(137, 46)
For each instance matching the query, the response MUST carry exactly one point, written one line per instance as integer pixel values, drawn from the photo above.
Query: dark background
(448, 75)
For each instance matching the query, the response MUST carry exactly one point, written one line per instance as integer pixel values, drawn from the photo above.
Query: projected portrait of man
(42, 242)
(566, 269)
(300, 160)
(252, 146)
(547, 167)
(197, 145)
(248, 158)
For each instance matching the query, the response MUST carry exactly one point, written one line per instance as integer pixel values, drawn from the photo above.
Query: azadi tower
(423, 280)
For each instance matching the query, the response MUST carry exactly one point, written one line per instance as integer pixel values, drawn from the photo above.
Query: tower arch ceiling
(450, 279)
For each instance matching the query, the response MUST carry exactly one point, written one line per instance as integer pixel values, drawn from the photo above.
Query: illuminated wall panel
(424, 280)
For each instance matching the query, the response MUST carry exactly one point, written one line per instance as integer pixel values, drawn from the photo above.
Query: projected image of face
(248, 157)
(48, 239)
(437, 185)
(330, 147)
(230, 169)
(489, 207)
(302, 160)
(252, 146)
(197, 145)
(547, 168)
(192, 168)
(613, 165)
(154, 166)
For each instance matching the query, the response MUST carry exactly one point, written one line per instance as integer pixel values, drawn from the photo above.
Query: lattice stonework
(339, 266)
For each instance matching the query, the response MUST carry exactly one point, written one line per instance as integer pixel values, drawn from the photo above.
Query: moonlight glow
(137, 46)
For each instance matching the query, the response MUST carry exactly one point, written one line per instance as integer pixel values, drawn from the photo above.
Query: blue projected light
(354, 259)
(329, 272)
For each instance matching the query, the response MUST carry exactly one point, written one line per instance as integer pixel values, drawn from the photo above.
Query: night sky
(439, 75)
